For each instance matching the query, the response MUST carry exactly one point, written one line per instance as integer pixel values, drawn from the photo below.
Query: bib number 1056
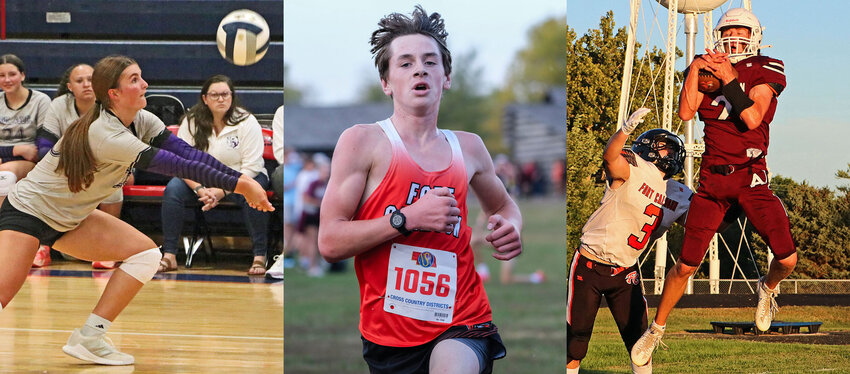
(424, 282)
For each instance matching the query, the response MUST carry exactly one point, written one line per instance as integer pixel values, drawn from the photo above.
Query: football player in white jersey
(640, 203)
(56, 204)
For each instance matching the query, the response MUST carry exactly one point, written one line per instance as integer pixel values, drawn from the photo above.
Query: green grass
(321, 314)
(692, 349)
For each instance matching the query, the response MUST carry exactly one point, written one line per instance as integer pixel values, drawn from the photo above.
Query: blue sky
(812, 122)
(327, 46)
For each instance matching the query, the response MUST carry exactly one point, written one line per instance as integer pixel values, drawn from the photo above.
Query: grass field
(321, 314)
(693, 348)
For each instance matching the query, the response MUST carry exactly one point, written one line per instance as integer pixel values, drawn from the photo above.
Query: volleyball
(243, 37)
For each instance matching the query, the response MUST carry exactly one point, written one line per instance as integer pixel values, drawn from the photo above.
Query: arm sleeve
(6, 152)
(171, 143)
(45, 140)
(164, 162)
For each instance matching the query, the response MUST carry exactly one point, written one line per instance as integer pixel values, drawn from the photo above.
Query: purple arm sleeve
(6, 152)
(45, 140)
(175, 145)
(164, 162)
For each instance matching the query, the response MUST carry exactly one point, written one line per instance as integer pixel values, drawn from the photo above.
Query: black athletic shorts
(483, 338)
(16, 220)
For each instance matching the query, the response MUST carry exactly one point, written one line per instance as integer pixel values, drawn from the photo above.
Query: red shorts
(747, 188)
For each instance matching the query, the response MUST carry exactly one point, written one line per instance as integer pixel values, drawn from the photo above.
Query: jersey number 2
(654, 212)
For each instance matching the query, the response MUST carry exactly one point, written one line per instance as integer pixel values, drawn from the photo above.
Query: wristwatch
(397, 220)
(198, 188)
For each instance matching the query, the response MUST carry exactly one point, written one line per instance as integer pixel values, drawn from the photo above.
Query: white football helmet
(744, 18)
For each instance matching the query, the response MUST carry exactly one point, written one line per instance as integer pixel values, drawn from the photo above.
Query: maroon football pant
(716, 193)
(588, 281)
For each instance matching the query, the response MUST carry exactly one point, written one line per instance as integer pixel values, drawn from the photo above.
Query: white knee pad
(142, 265)
(7, 180)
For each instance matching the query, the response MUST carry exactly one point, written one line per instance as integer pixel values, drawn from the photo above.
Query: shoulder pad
(629, 156)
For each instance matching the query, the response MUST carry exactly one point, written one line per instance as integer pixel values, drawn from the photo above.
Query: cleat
(276, 271)
(767, 307)
(645, 346)
(98, 349)
(42, 257)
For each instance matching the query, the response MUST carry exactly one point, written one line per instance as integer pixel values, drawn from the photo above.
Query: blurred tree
(370, 91)
(819, 226)
(583, 190)
(463, 106)
(535, 70)
(291, 94)
(540, 66)
(845, 175)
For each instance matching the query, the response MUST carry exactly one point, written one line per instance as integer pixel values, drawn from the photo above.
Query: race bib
(421, 283)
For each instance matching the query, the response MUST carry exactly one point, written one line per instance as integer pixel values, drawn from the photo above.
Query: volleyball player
(56, 204)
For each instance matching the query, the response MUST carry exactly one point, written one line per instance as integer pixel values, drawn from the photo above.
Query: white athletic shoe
(766, 308)
(276, 271)
(645, 346)
(98, 349)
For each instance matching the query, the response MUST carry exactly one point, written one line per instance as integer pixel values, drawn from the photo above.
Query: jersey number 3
(654, 212)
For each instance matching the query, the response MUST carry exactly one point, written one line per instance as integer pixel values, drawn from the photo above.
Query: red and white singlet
(414, 288)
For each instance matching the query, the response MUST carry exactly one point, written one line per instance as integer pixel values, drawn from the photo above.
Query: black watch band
(397, 221)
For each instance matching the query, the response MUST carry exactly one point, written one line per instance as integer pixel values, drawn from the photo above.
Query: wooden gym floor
(201, 320)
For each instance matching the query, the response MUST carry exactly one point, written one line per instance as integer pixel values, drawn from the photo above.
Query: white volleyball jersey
(45, 194)
(63, 111)
(630, 217)
(240, 146)
(19, 126)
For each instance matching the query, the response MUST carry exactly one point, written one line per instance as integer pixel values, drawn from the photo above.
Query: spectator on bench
(219, 126)
(21, 113)
(75, 96)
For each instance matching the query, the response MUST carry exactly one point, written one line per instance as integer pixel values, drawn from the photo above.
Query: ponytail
(76, 158)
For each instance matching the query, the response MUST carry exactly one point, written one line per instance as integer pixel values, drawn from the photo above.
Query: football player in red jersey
(396, 202)
(640, 203)
(737, 124)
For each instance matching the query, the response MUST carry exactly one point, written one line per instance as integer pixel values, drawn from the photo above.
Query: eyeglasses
(218, 95)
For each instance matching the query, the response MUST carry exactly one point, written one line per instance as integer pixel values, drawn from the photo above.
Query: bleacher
(174, 43)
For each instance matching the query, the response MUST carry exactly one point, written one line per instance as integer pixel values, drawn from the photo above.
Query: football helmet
(742, 18)
(649, 143)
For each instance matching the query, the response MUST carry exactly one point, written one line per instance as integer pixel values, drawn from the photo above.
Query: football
(707, 82)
